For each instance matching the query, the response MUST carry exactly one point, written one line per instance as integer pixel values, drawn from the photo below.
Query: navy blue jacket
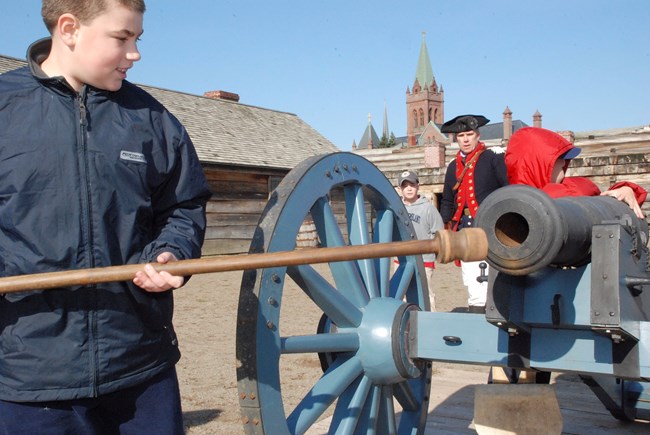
(89, 179)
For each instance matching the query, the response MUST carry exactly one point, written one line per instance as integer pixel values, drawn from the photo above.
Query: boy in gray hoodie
(425, 218)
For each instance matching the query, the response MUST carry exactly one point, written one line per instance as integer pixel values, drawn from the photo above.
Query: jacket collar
(36, 55)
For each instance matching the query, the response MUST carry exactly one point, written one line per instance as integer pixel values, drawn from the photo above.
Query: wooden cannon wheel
(364, 335)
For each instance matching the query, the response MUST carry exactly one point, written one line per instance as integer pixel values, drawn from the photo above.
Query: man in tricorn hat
(471, 177)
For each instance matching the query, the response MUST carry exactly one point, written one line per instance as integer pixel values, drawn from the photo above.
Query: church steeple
(425, 102)
(385, 132)
(424, 72)
(369, 139)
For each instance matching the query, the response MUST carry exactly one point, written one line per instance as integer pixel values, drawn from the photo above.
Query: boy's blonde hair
(84, 10)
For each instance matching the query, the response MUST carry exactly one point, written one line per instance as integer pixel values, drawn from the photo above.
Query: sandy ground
(205, 320)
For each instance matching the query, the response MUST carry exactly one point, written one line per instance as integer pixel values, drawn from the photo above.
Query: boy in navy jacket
(95, 172)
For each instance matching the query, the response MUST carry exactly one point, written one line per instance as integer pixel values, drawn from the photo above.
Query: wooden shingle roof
(8, 63)
(495, 129)
(233, 134)
(226, 132)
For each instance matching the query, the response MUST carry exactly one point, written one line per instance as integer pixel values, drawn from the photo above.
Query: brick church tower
(425, 102)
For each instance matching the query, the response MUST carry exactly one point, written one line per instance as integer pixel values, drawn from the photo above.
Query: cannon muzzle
(527, 230)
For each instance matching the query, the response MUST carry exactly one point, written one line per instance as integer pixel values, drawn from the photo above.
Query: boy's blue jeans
(150, 408)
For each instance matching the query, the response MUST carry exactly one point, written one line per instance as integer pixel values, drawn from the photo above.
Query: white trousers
(431, 285)
(476, 291)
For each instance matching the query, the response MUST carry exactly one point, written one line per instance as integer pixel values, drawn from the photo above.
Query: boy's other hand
(153, 281)
(626, 194)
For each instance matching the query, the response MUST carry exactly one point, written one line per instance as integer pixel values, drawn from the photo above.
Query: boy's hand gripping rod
(469, 244)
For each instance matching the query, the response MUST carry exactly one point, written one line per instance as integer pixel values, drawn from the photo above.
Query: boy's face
(106, 48)
(559, 170)
(409, 191)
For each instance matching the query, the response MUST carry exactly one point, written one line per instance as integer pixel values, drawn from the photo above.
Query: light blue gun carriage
(568, 292)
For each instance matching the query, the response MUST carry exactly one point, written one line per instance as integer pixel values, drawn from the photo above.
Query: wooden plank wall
(238, 199)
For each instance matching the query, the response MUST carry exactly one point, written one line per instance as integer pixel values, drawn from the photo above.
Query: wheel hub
(383, 341)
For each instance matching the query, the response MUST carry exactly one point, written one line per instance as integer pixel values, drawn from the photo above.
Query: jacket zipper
(86, 212)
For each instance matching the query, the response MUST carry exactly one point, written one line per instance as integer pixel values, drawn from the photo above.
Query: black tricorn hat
(464, 123)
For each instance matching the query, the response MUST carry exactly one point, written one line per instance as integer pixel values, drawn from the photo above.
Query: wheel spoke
(349, 407)
(355, 212)
(384, 234)
(387, 410)
(406, 397)
(345, 273)
(327, 227)
(330, 386)
(358, 234)
(368, 421)
(337, 307)
(320, 343)
(401, 280)
(411, 418)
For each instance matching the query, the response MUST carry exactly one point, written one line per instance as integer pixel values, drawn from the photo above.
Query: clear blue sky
(584, 64)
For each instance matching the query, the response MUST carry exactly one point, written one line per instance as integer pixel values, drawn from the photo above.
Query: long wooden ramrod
(466, 245)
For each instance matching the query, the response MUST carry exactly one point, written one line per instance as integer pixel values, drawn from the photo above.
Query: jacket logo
(132, 156)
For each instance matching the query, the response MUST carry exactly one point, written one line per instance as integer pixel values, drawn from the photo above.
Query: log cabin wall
(238, 199)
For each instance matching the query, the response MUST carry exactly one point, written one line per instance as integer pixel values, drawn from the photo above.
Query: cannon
(569, 286)
(375, 338)
(528, 231)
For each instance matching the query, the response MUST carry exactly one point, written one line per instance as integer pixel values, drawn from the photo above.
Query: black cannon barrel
(528, 230)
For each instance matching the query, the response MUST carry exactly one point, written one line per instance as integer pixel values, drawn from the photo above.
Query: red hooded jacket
(530, 158)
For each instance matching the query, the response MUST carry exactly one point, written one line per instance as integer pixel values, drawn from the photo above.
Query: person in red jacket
(539, 158)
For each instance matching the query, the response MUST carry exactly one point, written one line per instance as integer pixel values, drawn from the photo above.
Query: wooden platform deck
(451, 408)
